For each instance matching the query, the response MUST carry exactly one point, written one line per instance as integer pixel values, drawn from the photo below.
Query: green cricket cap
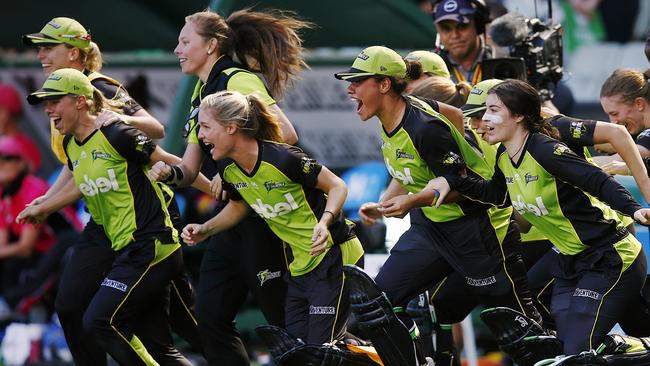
(60, 83)
(375, 60)
(60, 30)
(477, 96)
(431, 63)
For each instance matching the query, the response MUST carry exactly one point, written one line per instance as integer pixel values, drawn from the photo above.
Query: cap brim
(454, 17)
(353, 75)
(44, 94)
(39, 39)
(472, 110)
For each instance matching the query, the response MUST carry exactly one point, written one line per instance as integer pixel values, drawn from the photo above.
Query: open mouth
(182, 60)
(359, 104)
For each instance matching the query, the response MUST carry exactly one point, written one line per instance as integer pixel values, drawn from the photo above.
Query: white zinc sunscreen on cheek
(492, 118)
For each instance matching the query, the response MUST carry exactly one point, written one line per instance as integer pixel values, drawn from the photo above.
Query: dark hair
(443, 90)
(523, 100)
(627, 84)
(268, 42)
(414, 69)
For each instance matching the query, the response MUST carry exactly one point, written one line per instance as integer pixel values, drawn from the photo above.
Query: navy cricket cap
(460, 11)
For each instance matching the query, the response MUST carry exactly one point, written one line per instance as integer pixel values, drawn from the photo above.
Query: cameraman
(459, 24)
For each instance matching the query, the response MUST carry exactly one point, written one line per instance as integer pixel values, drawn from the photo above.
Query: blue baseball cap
(460, 11)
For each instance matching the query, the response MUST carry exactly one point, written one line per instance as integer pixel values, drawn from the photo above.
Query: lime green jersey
(282, 190)
(110, 168)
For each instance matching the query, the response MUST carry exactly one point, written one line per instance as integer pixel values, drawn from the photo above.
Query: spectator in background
(10, 110)
(21, 245)
(459, 24)
(425, 5)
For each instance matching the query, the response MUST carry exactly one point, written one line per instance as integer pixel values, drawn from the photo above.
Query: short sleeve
(301, 168)
(130, 142)
(644, 139)
(233, 193)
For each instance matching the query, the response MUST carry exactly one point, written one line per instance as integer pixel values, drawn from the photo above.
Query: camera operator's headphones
(481, 14)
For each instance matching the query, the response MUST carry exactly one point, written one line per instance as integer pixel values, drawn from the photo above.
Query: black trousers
(248, 257)
(90, 261)
(138, 276)
(590, 294)
(428, 252)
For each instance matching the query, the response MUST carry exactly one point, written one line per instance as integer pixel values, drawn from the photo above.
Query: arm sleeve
(437, 147)
(301, 168)
(565, 165)
(644, 139)
(64, 144)
(130, 142)
(574, 132)
(494, 191)
(117, 94)
(233, 194)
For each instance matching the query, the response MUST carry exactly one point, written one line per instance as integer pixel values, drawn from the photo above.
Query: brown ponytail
(414, 69)
(443, 90)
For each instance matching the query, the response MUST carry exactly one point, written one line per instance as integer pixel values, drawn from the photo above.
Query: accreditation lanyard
(476, 75)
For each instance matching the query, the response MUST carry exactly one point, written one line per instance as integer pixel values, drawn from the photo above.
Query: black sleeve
(564, 164)
(494, 191)
(301, 168)
(233, 193)
(438, 148)
(434, 104)
(644, 139)
(66, 141)
(574, 132)
(130, 142)
(118, 94)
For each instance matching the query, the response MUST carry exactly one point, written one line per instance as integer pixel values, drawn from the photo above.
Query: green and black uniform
(281, 188)
(110, 169)
(468, 237)
(248, 257)
(602, 266)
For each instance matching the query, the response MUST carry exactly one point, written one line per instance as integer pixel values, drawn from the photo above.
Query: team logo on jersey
(91, 187)
(115, 284)
(321, 310)
(560, 149)
(451, 158)
(75, 163)
(530, 178)
(537, 208)
(266, 275)
(577, 129)
(270, 211)
(510, 180)
(269, 185)
(404, 177)
(96, 154)
(399, 153)
(140, 142)
(308, 165)
(581, 292)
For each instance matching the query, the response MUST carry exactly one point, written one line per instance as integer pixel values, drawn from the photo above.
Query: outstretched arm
(231, 215)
